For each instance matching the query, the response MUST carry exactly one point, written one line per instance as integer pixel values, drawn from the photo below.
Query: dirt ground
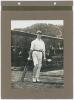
(49, 79)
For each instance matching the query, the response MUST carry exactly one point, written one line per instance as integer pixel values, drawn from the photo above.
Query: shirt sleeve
(32, 45)
(43, 46)
(44, 50)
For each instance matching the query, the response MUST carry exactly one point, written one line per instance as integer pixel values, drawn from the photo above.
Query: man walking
(37, 51)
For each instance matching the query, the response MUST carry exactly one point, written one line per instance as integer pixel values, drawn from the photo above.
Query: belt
(38, 50)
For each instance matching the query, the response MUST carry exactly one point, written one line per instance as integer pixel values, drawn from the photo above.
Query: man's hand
(29, 58)
(44, 58)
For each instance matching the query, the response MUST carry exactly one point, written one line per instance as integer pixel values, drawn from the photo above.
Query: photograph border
(9, 93)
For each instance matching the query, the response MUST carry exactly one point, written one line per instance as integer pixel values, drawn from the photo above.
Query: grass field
(49, 79)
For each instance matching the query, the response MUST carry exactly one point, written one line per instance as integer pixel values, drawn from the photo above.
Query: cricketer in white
(37, 51)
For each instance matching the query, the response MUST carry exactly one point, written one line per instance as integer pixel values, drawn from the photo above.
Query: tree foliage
(47, 29)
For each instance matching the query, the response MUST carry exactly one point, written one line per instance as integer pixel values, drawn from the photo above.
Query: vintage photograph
(37, 54)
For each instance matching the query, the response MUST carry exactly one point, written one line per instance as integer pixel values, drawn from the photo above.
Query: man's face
(39, 36)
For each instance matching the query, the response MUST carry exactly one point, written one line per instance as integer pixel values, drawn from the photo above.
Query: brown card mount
(31, 11)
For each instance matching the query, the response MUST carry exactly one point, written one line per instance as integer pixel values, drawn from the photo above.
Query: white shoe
(38, 80)
(34, 79)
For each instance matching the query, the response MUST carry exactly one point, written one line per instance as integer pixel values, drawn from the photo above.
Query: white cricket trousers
(37, 60)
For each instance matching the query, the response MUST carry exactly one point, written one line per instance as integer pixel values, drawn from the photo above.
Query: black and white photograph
(37, 54)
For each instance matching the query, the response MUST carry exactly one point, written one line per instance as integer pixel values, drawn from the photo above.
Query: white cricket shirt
(38, 45)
